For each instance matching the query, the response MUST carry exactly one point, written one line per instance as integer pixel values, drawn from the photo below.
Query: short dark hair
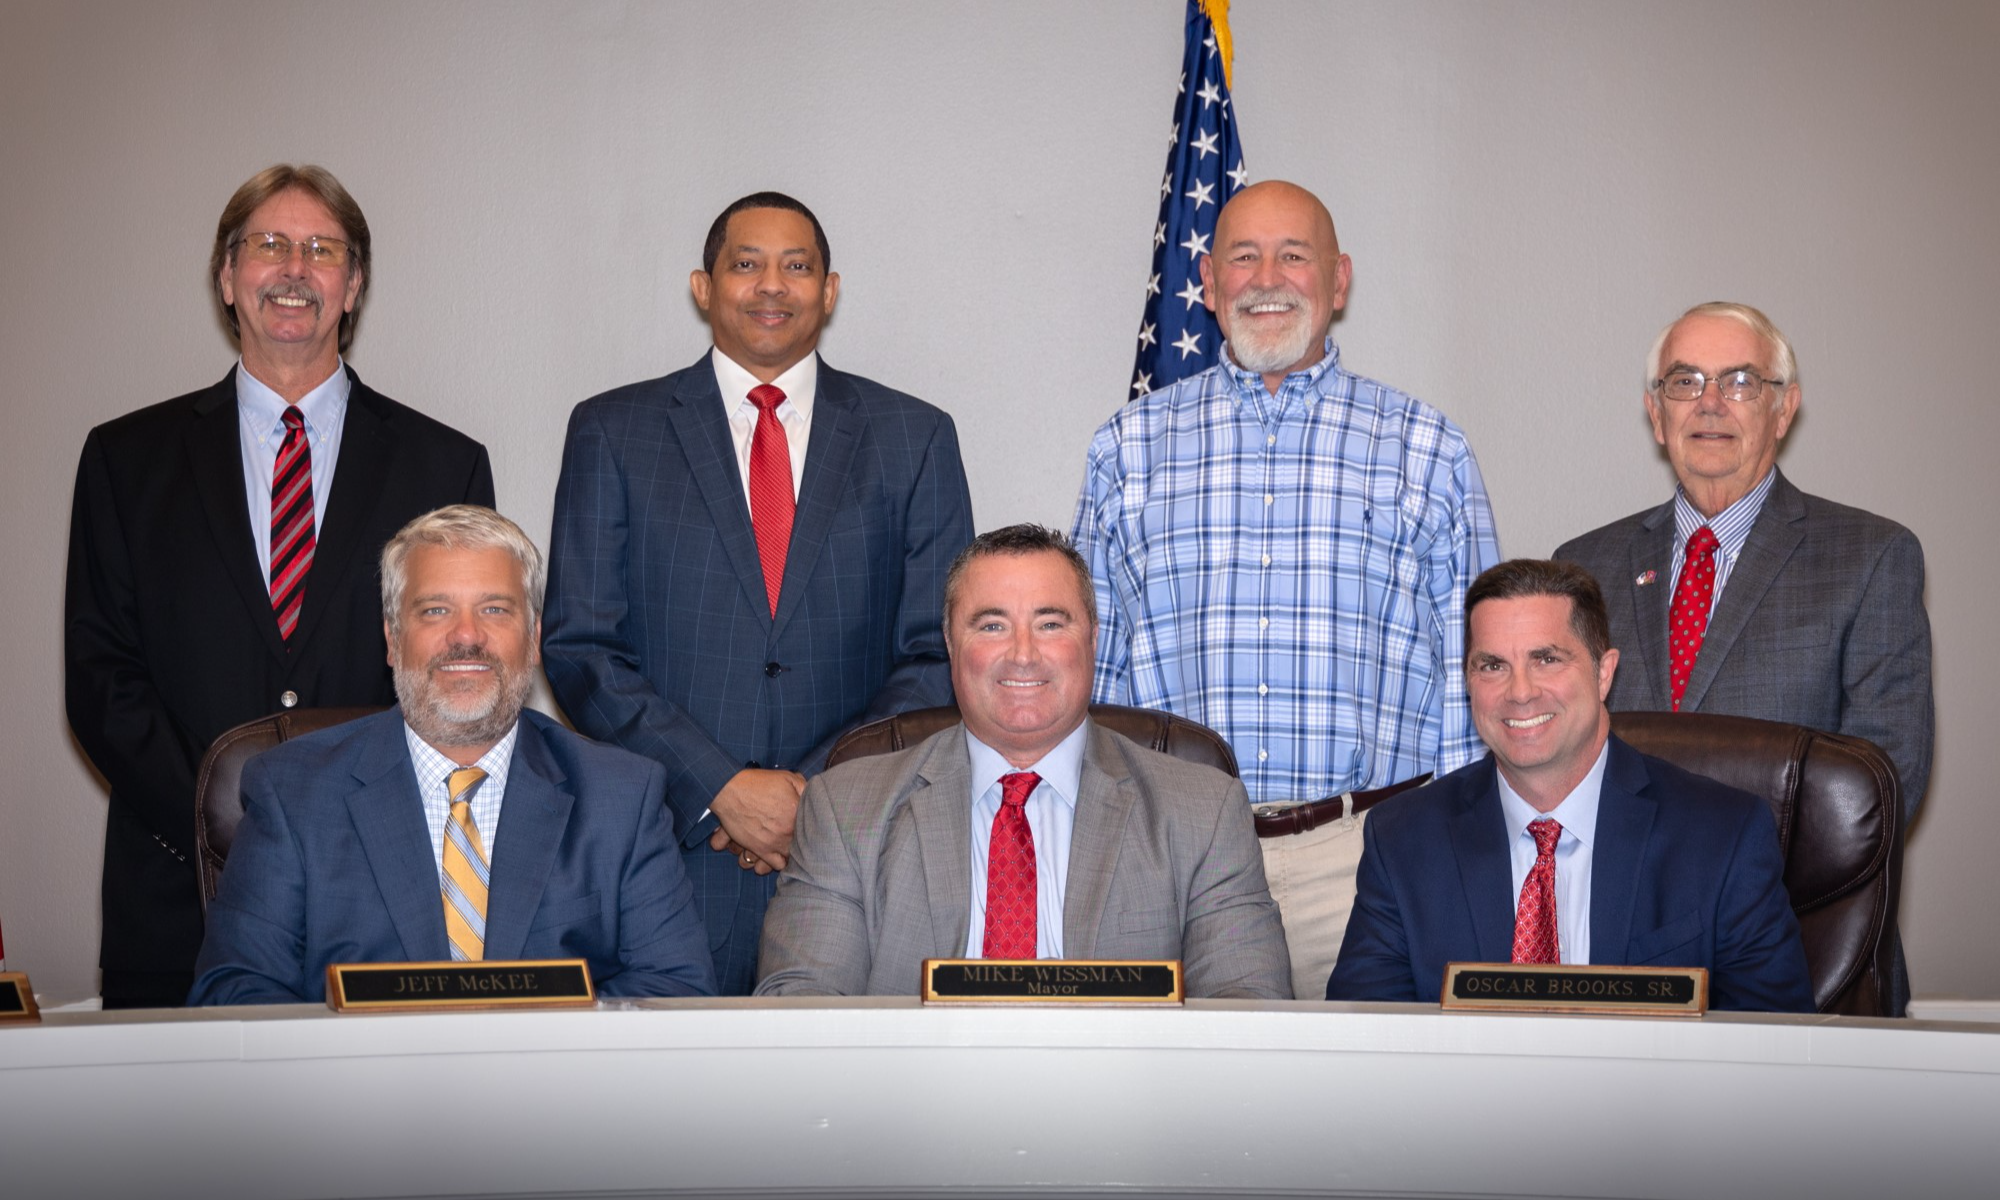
(1024, 539)
(719, 232)
(316, 182)
(1517, 579)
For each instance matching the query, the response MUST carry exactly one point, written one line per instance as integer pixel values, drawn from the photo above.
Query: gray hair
(1783, 362)
(459, 527)
(1024, 539)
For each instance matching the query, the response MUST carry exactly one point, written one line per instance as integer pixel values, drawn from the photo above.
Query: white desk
(880, 1096)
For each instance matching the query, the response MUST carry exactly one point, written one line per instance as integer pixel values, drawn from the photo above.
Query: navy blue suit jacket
(659, 636)
(332, 864)
(1686, 872)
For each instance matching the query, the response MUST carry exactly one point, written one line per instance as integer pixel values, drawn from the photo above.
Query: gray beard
(1280, 349)
(443, 722)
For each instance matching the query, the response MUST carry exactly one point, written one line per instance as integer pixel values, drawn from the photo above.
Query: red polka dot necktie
(1535, 916)
(291, 523)
(1688, 620)
(1010, 873)
(771, 500)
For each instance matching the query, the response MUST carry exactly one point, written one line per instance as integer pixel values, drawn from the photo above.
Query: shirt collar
(433, 769)
(1731, 527)
(264, 410)
(1061, 769)
(1577, 814)
(1300, 385)
(799, 383)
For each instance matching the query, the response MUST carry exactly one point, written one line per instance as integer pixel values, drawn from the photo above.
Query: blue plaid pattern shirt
(1290, 570)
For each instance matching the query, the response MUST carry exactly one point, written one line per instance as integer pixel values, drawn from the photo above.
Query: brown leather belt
(1310, 815)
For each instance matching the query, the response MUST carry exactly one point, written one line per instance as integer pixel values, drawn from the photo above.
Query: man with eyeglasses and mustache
(216, 575)
(459, 825)
(1281, 550)
(1746, 596)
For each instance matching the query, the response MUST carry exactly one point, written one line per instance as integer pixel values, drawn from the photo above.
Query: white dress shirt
(1051, 811)
(1578, 817)
(799, 383)
(260, 422)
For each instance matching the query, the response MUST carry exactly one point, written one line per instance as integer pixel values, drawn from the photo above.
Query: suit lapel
(942, 808)
(388, 817)
(532, 819)
(1488, 879)
(1653, 553)
(1775, 534)
(836, 430)
(215, 448)
(1624, 823)
(703, 429)
(365, 450)
(1105, 795)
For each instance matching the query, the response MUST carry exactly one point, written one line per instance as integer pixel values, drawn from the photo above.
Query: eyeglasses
(1740, 386)
(277, 248)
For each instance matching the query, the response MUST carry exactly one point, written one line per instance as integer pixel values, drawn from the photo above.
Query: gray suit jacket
(1163, 865)
(1822, 623)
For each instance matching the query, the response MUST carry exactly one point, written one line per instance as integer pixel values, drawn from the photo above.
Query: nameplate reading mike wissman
(457, 986)
(1052, 981)
(1577, 988)
(17, 998)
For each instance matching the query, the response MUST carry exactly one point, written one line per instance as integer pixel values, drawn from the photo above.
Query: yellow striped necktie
(465, 870)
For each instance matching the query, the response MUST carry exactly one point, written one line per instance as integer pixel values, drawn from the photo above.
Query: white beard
(1269, 351)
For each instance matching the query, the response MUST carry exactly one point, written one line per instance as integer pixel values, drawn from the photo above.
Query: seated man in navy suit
(456, 825)
(1564, 844)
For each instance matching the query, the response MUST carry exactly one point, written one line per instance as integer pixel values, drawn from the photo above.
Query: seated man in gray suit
(1026, 831)
(456, 825)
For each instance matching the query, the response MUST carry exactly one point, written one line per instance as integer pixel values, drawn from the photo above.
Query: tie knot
(1546, 830)
(767, 397)
(1702, 542)
(1015, 787)
(293, 419)
(461, 782)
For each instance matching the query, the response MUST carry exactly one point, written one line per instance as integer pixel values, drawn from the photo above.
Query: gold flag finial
(1218, 17)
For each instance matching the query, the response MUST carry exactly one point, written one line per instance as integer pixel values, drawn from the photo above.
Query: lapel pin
(1645, 578)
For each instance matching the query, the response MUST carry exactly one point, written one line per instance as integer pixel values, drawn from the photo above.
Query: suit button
(288, 698)
(773, 668)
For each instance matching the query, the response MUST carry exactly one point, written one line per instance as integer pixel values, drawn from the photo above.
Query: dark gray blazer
(1822, 623)
(1163, 864)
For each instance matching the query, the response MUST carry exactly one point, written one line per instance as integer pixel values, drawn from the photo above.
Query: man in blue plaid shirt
(1281, 550)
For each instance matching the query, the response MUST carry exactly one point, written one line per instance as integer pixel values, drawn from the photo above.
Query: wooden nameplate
(17, 998)
(456, 986)
(1576, 988)
(1052, 981)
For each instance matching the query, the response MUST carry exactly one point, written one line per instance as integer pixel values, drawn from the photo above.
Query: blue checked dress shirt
(1290, 571)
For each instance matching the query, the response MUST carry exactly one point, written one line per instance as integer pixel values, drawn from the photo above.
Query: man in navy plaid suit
(700, 616)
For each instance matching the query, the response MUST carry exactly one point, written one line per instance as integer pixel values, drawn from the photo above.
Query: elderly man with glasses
(1744, 595)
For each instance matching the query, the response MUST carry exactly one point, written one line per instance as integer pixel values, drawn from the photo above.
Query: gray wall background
(1529, 191)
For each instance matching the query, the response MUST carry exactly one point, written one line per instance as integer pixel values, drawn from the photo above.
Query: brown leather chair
(1176, 736)
(1835, 800)
(218, 786)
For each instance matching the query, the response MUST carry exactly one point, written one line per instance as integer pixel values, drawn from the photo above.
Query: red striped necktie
(291, 523)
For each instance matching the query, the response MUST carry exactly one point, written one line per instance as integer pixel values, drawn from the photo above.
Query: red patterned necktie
(771, 500)
(291, 522)
(1535, 916)
(1010, 873)
(1688, 620)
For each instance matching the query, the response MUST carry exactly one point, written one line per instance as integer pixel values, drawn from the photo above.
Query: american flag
(1177, 335)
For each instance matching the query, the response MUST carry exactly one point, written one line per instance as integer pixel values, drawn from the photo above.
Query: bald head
(1275, 279)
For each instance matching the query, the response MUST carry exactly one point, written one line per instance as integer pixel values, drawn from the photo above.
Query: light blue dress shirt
(1578, 817)
(260, 421)
(433, 774)
(1051, 811)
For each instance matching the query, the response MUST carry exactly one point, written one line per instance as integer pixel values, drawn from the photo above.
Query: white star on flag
(1190, 343)
(1191, 293)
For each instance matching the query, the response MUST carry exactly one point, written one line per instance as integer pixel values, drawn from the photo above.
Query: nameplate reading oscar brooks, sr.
(1577, 988)
(1045, 981)
(453, 985)
(17, 999)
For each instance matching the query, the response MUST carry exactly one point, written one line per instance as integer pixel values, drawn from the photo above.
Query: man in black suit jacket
(172, 632)
(685, 626)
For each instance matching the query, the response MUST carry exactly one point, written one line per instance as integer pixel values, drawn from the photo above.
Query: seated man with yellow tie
(1565, 844)
(457, 825)
(1026, 831)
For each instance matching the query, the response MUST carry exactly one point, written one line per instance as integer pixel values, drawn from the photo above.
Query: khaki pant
(1311, 876)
